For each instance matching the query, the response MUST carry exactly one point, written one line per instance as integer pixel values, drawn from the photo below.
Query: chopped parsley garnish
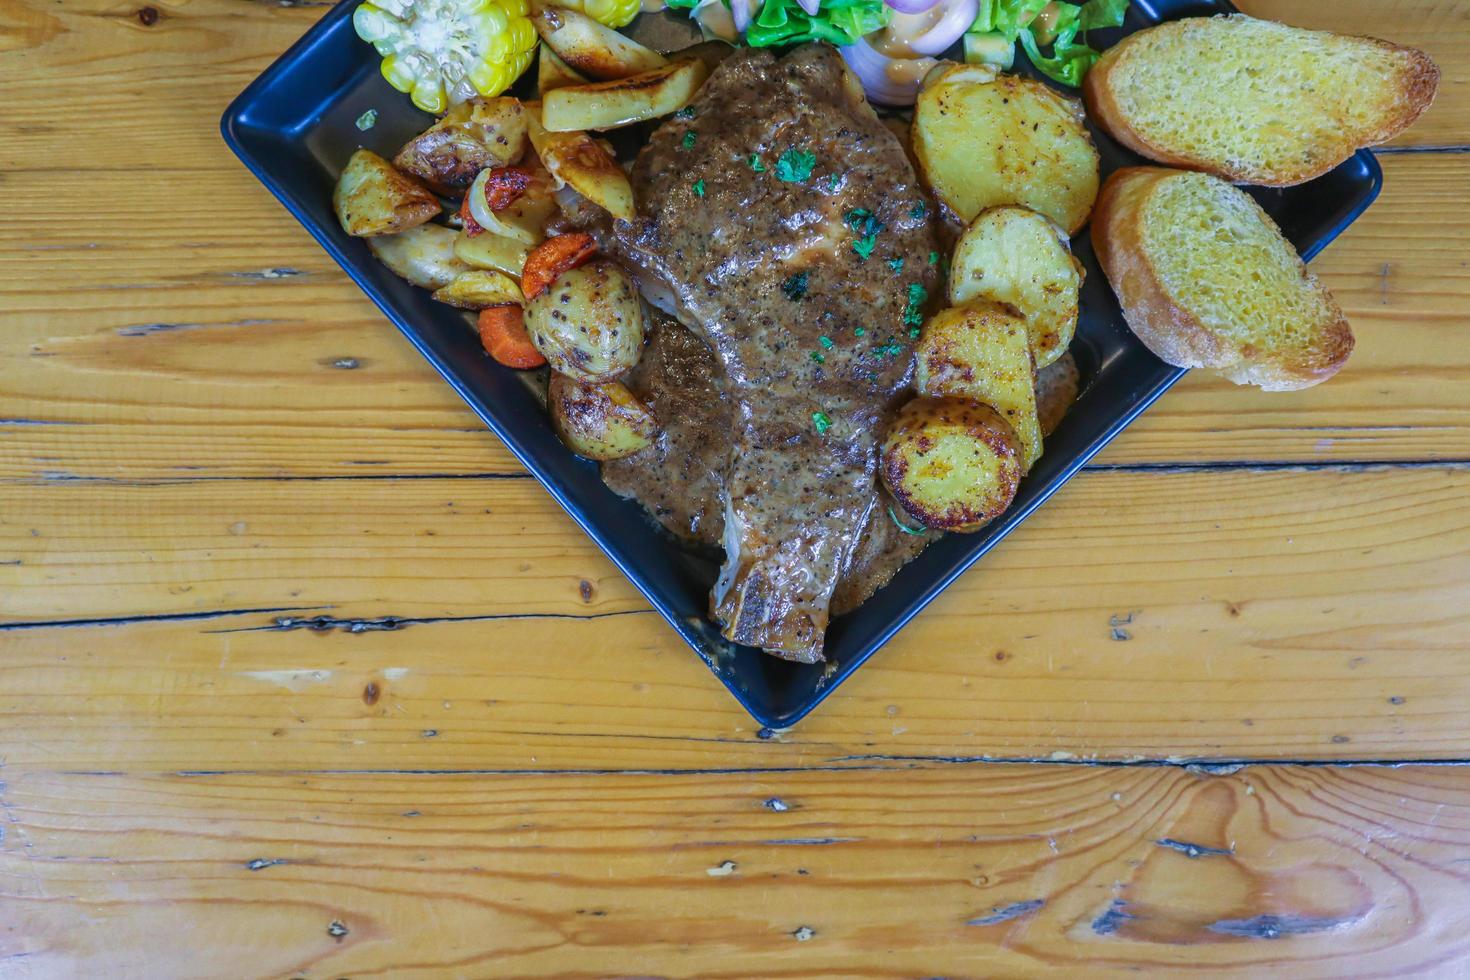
(367, 120)
(795, 166)
(913, 315)
(864, 246)
(794, 286)
(834, 181)
(859, 331)
(920, 211)
(890, 349)
(933, 258)
(699, 187)
(825, 341)
(862, 221)
(822, 422)
(896, 265)
(819, 357)
(689, 139)
(920, 529)
(856, 217)
(685, 113)
(914, 333)
(755, 163)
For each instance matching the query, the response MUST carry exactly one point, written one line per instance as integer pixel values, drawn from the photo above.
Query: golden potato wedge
(525, 218)
(623, 101)
(984, 139)
(589, 324)
(983, 352)
(1016, 256)
(584, 163)
(553, 73)
(591, 48)
(423, 255)
(469, 137)
(603, 421)
(479, 288)
(371, 198)
(952, 464)
(488, 250)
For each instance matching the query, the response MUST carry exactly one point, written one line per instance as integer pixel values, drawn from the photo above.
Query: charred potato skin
(601, 422)
(471, 137)
(984, 139)
(934, 437)
(589, 324)
(983, 352)
(371, 198)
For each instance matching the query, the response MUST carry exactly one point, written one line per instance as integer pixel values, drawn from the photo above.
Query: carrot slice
(503, 332)
(503, 185)
(551, 258)
(471, 226)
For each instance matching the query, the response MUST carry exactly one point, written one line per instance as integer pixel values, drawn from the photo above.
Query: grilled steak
(783, 224)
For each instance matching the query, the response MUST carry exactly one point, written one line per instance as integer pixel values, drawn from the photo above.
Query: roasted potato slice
(479, 288)
(1016, 256)
(591, 48)
(1057, 385)
(524, 219)
(553, 73)
(603, 421)
(952, 463)
(423, 255)
(984, 139)
(623, 101)
(471, 136)
(371, 198)
(584, 163)
(488, 250)
(589, 324)
(983, 352)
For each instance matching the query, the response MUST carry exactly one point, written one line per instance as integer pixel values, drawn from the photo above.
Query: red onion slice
(943, 29)
(911, 6)
(741, 11)
(886, 81)
(810, 6)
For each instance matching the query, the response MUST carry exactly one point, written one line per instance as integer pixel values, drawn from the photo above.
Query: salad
(444, 52)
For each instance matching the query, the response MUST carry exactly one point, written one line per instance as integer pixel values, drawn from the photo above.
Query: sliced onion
(810, 6)
(715, 21)
(886, 81)
(943, 29)
(741, 12)
(911, 6)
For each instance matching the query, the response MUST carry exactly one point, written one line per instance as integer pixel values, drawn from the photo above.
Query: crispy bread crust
(1417, 86)
(1175, 333)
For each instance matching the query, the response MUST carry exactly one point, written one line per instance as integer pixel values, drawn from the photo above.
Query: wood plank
(954, 871)
(1279, 614)
(162, 358)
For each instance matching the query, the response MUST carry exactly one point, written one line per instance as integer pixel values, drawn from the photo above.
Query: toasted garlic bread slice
(1254, 101)
(1017, 257)
(982, 352)
(1206, 280)
(984, 139)
(623, 101)
(371, 198)
(590, 48)
(952, 463)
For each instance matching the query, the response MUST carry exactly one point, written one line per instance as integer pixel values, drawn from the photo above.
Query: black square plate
(294, 127)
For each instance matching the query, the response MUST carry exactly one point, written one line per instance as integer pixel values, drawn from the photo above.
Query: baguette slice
(1206, 280)
(1254, 101)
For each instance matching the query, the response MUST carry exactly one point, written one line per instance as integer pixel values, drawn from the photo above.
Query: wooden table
(301, 675)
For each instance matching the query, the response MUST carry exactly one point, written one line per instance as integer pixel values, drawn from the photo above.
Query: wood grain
(1096, 630)
(958, 871)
